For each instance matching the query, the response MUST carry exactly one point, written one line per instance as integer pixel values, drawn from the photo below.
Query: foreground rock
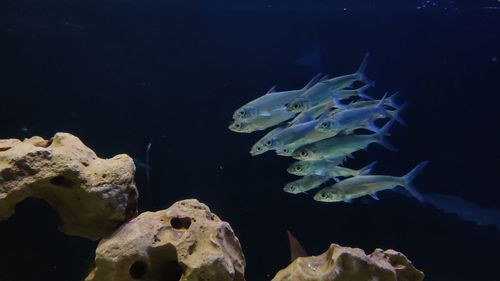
(184, 242)
(351, 264)
(93, 196)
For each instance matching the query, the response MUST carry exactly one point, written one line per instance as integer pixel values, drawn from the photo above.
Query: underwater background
(123, 74)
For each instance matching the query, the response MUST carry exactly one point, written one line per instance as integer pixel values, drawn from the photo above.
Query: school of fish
(321, 125)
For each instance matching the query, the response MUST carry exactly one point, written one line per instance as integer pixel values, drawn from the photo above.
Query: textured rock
(351, 264)
(184, 242)
(93, 196)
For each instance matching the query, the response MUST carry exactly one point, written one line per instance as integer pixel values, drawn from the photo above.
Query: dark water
(121, 74)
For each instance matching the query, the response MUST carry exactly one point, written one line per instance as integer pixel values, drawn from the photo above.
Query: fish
(264, 106)
(359, 186)
(362, 117)
(305, 183)
(312, 113)
(333, 171)
(289, 135)
(312, 137)
(314, 167)
(326, 89)
(259, 147)
(278, 116)
(339, 146)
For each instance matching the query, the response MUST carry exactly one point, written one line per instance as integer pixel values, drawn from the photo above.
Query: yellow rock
(184, 242)
(351, 264)
(93, 196)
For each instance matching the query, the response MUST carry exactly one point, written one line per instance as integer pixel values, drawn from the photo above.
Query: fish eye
(303, 153)
(241, 112)
(324, 124)
(269, 142)
(259, 148)
(296, 106)
(298, 168)
(323, 195)
(285, 150)
(237, 125)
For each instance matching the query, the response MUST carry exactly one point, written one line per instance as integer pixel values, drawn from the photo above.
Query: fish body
(341, 146)
(361, 117)
(313, 113)
(265, 105)
(311, 137)
(362, 185)
(289, 135)
(259, 147)
(314, 167)
(278, 116)
(304, 184)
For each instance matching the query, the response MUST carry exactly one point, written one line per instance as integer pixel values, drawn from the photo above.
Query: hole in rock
(172, 272)
(180, 223)
(62, 181)
(138, 269)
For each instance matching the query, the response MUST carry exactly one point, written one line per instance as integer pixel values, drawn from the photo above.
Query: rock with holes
(184, 242)
(351, 264)
(93, 196)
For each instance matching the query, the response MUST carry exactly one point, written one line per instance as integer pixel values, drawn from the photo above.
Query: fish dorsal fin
(272, 90)
(296, 250)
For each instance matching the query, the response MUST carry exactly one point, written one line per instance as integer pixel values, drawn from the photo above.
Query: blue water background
(121, 74)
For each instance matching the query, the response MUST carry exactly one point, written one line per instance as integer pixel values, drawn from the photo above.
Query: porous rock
(351, 264)
(184, 242)
(93, 196)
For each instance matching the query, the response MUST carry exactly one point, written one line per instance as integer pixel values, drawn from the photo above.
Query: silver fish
(362, 117)
(314, 167)
(264, 105)
(362, 185)
(304, 184)
(340, 146)
(259, 147)
(324, 90)
(327, 169)
(289, 135)
(278, 116)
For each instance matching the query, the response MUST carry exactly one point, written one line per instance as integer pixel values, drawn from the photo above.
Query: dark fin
(296, 250)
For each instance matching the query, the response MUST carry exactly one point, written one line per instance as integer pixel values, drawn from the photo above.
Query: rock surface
(93, 196)
(184, 242)
(351, 264)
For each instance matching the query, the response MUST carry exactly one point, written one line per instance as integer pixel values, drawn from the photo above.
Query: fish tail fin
(313, 81)
(366, 170)
(361, 72)
(398, 113)
(380, 136)
(391, 101)
(381, 107)
(362, 90)
(410, 176)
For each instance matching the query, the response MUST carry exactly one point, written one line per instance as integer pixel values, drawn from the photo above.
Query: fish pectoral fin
(374, 196)
(348, 201)
(265, 113)
(336, 179)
